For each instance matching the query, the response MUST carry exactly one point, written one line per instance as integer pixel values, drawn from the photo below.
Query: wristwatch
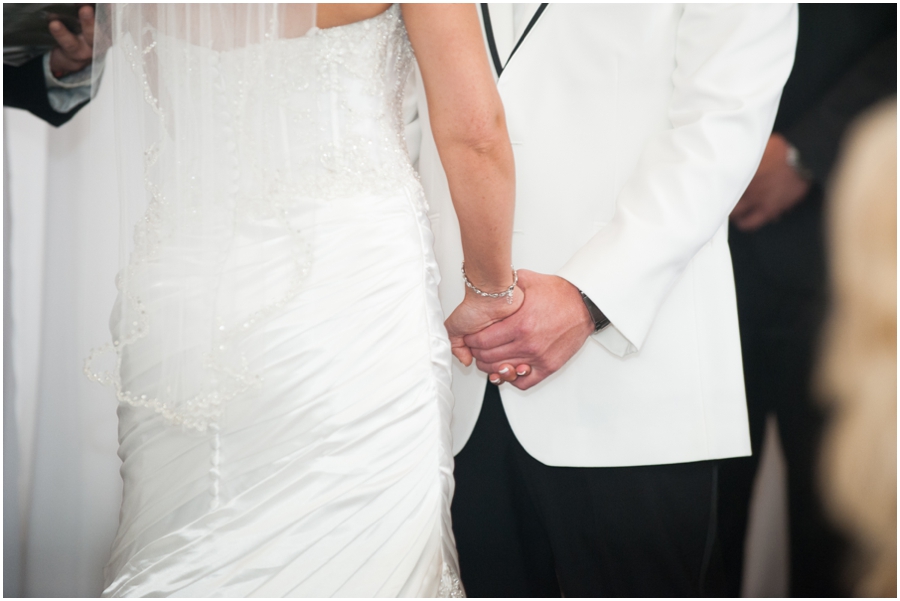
(793, 161)
(600, 320)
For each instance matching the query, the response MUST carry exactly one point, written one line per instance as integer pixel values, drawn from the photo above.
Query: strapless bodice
(330, 103)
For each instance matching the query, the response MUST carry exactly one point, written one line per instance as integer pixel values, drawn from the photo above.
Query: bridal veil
(183, 211)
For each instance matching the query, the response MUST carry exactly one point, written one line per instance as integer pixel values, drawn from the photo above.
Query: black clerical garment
(846, 61)
(24, 87)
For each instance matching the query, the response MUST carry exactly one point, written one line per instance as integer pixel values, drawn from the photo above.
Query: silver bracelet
(508, 293)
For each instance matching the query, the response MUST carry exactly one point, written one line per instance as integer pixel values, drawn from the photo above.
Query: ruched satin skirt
(333, 477)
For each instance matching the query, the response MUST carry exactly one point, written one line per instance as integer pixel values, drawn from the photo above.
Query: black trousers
(524, 529)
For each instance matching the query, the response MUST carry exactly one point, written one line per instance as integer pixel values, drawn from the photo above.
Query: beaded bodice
(363, 68)
(240, 148)
(332, 101)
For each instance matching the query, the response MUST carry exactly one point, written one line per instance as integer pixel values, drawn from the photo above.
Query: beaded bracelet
(508, 293)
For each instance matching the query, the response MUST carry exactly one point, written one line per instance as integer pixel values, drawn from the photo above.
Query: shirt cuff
(66, 93)
(613, 341)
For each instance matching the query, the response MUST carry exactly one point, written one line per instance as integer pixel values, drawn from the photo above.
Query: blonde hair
(858, 369)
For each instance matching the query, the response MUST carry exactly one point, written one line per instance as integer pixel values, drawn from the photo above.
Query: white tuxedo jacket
(635, 129)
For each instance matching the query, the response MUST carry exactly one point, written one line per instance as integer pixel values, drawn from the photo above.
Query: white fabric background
(61, 484)
(61, 233)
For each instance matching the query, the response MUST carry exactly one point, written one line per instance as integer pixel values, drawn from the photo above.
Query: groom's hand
(549, 327)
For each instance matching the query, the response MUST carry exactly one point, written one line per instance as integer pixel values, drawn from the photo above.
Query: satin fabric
(334, 478)
(331, 474)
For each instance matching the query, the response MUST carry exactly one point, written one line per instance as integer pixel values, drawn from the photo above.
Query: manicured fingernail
(522, 373)
(497, 381)
(504, 370)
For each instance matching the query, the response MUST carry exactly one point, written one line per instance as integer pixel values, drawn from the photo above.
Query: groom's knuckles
(490, 337)
(495, 355)
(483, 355)
(482, 366)
(527, 321)
(489, 367)
(529, 347)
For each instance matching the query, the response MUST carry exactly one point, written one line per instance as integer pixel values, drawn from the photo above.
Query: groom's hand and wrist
(549, 328)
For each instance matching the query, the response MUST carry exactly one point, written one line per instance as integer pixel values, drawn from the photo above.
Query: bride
(280, 353)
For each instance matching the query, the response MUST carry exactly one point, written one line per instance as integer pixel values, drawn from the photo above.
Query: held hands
(474, 314)
(75, 52)
(536, 340)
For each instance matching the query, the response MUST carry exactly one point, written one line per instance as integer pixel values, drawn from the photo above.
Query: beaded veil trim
(332, 99)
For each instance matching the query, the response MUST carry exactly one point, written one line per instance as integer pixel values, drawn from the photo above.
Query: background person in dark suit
(846, 61)
(55, 86)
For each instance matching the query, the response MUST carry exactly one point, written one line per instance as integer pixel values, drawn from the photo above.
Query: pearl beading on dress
(338, 112)
(347, 156)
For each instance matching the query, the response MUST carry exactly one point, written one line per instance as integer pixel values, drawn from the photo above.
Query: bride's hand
(474, 314)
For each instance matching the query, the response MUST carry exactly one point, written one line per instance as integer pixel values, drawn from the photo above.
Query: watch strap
(600, 320)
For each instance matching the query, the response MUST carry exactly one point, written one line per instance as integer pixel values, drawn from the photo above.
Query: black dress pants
(524, 529)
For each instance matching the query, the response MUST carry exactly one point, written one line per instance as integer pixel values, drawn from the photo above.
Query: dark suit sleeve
(818, 133)
(24, 87)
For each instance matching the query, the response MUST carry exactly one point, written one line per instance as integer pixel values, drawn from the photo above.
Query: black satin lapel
(492, 43)
(534, 19)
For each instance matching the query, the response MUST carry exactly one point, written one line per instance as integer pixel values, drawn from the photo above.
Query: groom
(635, 129)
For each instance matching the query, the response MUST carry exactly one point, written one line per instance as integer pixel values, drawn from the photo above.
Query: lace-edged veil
(202, 122)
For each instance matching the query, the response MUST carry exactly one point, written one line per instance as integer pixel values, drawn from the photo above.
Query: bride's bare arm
(469, 129)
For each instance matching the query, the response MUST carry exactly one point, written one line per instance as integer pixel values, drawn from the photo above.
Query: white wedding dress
(330, 475)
